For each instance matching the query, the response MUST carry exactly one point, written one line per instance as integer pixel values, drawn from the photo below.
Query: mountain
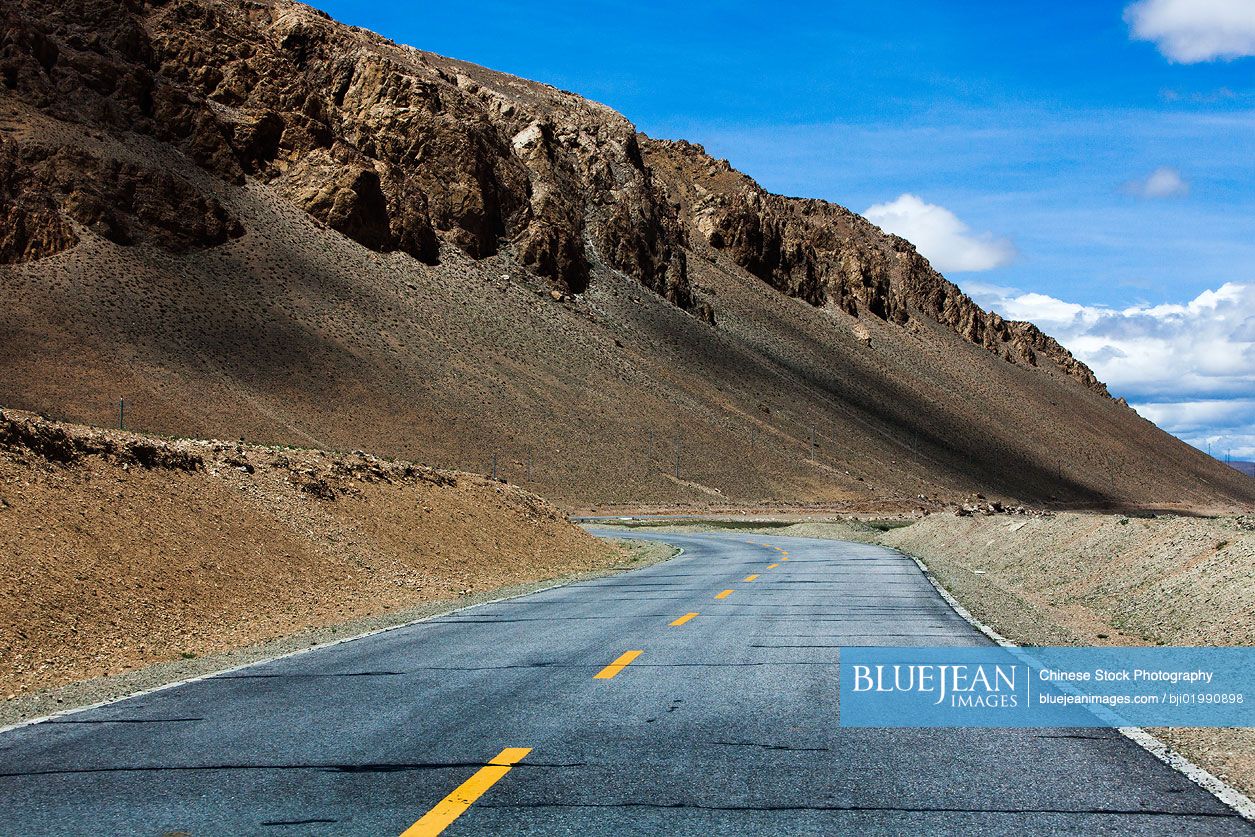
(252, 221)
(1247, 468)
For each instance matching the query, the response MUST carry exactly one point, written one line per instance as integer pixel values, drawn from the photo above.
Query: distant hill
(251, 220)
(1247, 468)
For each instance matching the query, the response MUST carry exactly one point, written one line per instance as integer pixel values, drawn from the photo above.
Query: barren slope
(252, 221)
(117, 550)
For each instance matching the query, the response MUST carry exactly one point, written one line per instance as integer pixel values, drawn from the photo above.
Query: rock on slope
(252, 219)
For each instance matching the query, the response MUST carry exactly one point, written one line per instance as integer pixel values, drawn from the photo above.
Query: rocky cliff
(396, 149)
(827, 255)
(402, 150)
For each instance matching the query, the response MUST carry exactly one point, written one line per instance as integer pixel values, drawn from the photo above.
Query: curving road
(724, 723)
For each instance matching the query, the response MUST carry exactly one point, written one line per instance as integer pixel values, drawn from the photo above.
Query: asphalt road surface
(504, 719)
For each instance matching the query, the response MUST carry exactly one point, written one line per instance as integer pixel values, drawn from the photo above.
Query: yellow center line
(772, 566)
(750, 577)
(455, 804)
(723, 595)
(618, 665)
(686, 617)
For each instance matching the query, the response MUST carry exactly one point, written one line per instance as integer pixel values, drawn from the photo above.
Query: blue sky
(1087, 165)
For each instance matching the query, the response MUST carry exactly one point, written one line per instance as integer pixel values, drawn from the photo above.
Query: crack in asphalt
(125, 721)
(785, 747)
(304, 674)
(380, 767)
(508, 620)
(940, 809)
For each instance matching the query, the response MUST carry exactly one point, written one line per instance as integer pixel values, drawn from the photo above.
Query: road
(723, 724)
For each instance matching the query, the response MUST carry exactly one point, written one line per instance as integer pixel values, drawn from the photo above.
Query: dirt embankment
(1088, 579)
(1096, 579)
(118, 551)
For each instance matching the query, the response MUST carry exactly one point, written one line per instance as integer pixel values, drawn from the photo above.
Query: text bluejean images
(1047, 687)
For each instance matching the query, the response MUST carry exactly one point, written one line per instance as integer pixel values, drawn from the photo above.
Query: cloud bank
(1188, 367)
(1191, 31)
(940, 236)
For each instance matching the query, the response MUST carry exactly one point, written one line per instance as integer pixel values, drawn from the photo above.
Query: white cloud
(1189, 367)
(1163, 182)
(1190, 31)
(1225, 428)
(940, 236)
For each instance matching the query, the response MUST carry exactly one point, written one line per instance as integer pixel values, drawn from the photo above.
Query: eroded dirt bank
(1096, 579)
(118, 551)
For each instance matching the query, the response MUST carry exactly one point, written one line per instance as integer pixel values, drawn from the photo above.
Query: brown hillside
(119, 550)
(252, 221)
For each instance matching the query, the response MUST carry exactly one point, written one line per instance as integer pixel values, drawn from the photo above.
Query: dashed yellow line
(686, 617)
(750, 577)
(618, 665)
(455, 804)
(723, 595)
(772, 566)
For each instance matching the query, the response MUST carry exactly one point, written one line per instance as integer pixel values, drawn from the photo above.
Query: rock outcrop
(394, 148)
(29, 435)
(53, 189)
(827, 255)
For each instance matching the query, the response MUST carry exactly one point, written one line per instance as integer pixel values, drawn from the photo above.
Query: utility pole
(494, 465)
(122, 414)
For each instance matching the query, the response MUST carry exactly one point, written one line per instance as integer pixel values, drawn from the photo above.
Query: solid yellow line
(723, 595)
(618, 665)
(455, 804)
(686, 617)
(772, 566)
(750, 577)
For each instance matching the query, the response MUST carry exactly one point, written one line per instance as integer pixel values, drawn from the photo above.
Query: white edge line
(320, 646)
(1210, 782)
